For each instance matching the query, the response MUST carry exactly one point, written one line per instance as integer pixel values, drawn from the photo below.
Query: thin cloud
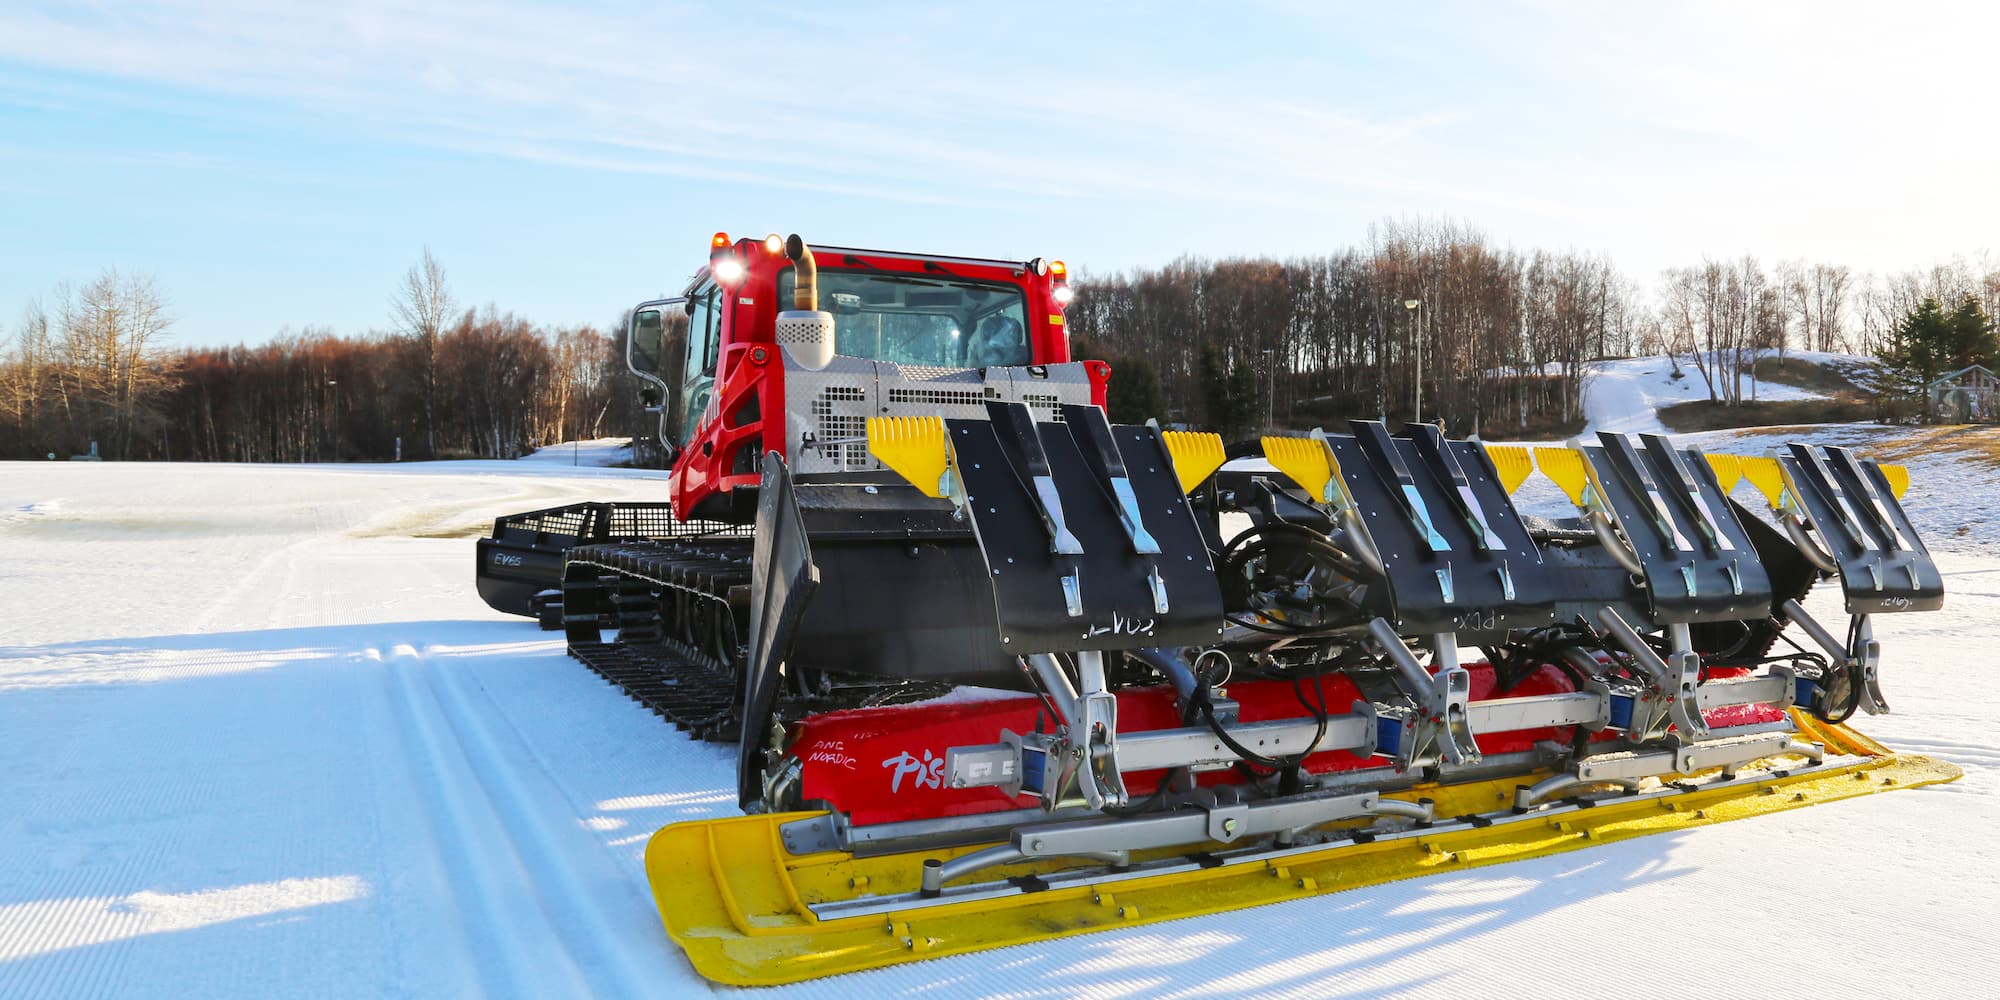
(1649, 132)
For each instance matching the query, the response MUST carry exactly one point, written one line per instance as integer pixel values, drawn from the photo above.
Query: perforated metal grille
(839, 411)
(596, 521)
(827, 410)
(556, 521)
(936, 397)
(803, 328)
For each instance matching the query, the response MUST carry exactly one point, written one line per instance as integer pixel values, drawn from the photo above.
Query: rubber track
(657, 663)
(693, 696)
(653, 661)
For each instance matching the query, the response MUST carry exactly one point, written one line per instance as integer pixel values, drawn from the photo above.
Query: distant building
(1966, 396)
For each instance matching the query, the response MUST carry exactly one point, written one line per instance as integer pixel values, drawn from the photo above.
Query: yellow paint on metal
(913, 446)
(1196, 456)
(1898, 477)
(1306, 460)
(1767, 475)
(1835, 737)
(1728, 470)
(738, 904)
(1567, 468)
(1513, 462)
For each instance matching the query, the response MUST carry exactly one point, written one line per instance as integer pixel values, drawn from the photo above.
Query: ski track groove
(502, 913)
(586, 931)
(1968, 755)
(492, 796)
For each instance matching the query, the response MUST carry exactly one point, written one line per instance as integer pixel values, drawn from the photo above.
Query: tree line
(1427, 315)
(1427, 319)
(1485, 338)
(91, 366)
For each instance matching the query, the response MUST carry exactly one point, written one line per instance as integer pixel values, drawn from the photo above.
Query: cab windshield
(921, 320)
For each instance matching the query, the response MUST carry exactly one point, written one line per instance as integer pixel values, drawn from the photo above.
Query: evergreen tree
(1135, 395)
(1970, 338)
(1229, 395)
(1246, 392)
(1910, 355)
(1930, 342)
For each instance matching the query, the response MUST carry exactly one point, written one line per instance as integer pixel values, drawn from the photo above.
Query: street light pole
(1416, 308)
(1271, 395)
(334, 383)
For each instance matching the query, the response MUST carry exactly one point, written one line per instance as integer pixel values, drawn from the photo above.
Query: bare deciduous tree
(111, 363)
(26, 375)
(1816, 299)
(421, 306)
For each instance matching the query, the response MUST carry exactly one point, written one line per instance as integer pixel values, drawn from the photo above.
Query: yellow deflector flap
(1566, 467)
(1728, 470)
(1306, 461)
(913, 446)
(1196, 456)
(1898, 477)
(1513, 463)
(1767, 476)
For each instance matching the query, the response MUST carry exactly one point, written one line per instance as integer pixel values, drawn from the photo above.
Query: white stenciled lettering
(1479, 621)
(1121, 625)
(925, 772)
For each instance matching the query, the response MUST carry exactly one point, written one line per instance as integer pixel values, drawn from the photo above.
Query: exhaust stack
(804, 331)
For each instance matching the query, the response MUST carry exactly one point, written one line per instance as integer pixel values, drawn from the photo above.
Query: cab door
(704, 348)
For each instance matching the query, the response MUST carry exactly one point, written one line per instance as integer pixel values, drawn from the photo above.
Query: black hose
(1204, 704)
(1853, 701)
(1276, 540)
(1265, 534)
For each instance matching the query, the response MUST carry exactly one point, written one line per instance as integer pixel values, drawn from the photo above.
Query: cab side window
(704, 345)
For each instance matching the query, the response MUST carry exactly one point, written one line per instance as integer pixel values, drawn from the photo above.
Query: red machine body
(743, 416)
(886, 765)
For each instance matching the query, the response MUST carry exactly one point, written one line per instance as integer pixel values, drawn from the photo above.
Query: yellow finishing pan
(737, 902)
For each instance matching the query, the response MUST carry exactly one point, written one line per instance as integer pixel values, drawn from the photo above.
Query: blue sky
(282, 166)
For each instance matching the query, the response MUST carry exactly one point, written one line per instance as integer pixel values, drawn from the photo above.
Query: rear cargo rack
(520, 565)
(607, 522)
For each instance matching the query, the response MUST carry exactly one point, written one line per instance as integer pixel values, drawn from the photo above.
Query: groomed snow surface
(599, 452)
(259, 737)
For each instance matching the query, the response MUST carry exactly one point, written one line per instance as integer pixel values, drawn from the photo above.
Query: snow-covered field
(595, 452)
(259, 737)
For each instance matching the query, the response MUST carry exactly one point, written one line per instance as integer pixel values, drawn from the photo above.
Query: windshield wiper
(898, 279)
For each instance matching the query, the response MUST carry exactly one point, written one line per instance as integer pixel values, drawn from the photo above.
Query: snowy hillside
(1626, 394)
(262, 739)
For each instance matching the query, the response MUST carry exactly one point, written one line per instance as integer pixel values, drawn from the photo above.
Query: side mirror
(642, 345)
